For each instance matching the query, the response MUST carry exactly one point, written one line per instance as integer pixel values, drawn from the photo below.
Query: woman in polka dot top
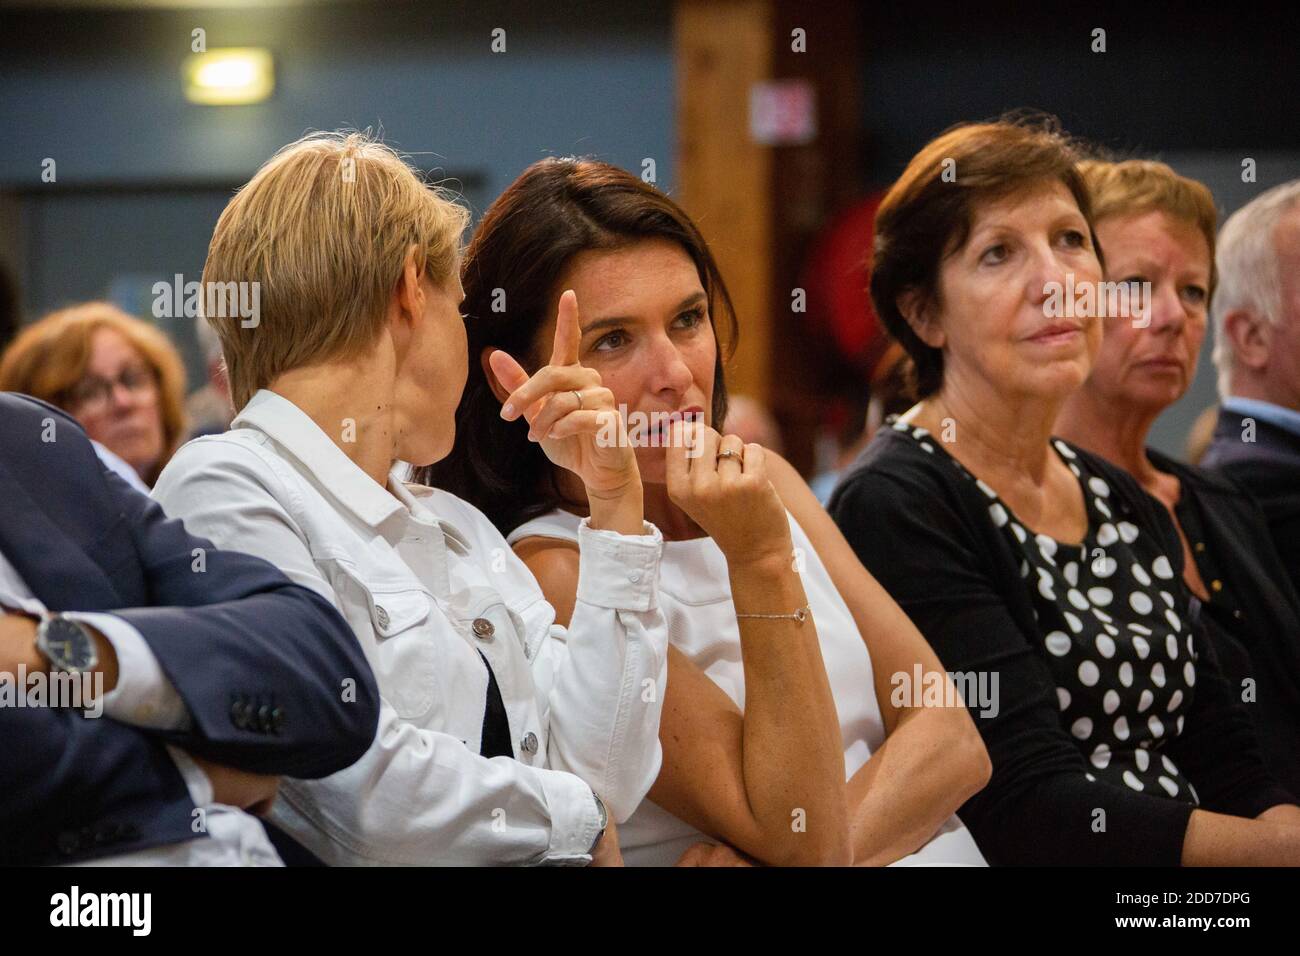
(1031, 565)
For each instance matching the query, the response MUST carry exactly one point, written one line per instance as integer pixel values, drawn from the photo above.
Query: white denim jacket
(428, 584)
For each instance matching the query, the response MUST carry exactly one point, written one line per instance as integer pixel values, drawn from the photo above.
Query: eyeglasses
(92, 393)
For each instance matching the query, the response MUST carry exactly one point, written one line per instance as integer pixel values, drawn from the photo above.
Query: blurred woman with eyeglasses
(118, 376)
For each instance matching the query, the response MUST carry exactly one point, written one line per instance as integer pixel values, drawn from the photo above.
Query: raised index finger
(567, 333)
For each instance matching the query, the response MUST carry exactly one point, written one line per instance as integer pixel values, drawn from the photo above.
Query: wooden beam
(811, 183)
(722, 48)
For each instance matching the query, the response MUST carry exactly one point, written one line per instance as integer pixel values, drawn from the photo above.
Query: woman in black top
(1114, 737)
(1158, 228)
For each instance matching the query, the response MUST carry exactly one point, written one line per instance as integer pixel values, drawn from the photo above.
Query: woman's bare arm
(933, 759)
(769, 781)
(1215, 839)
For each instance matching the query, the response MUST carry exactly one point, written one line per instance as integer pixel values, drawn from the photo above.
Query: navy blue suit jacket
(261, 663)
(1269, 469)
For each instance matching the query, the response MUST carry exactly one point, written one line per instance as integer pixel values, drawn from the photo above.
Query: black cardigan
(923, 529)
(1254, 613)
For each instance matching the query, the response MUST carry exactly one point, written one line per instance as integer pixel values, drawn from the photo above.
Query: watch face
(68, 647)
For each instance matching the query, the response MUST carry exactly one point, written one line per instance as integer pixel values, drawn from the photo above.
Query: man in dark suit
(1256, 311)
(1269, 469)
(218, 674)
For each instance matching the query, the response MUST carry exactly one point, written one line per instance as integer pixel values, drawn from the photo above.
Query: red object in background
(783, 112)
(836, 277)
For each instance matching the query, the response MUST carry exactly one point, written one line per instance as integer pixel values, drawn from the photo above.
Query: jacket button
(277, 720)
(238, 717)
(634, 577)
(264, 718)
(483, 628)
(529, 743)
(381, 614)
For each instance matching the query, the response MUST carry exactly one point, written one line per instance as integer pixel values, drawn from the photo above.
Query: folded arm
(421, 798)
(933, 758)
(272, 677)
(76, 787)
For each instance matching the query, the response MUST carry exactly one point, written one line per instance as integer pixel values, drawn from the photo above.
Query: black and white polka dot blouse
(1122, 657)
(1114, 719)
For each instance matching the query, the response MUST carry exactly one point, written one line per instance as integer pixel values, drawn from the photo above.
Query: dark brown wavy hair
(556, 209)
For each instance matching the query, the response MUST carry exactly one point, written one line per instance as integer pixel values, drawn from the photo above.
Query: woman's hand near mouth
(573, 417)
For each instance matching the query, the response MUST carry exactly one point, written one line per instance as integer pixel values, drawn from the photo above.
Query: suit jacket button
(264, 718)
(381, 614)
(529, 744)
(277, 720)
(483, 628)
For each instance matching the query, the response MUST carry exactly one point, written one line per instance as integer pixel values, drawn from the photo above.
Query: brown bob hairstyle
(49, 358)
(556, 209)
(928, 213)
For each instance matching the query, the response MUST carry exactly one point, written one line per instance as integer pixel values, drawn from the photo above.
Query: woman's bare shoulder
(554, 563)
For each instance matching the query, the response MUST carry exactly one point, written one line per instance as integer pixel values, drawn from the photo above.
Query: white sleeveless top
(695, 597)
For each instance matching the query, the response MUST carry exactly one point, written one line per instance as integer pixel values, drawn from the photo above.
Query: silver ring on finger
(731, 453)
(578, 395)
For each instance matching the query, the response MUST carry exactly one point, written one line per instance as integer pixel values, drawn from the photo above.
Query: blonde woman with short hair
(1156, 229)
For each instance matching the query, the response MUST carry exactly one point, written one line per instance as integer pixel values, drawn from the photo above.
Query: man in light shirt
(212, 674)
(1256, 314)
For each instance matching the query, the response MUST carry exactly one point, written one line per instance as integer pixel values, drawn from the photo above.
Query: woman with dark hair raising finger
(783, 731)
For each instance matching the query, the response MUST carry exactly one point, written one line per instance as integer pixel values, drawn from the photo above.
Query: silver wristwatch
(68, 645)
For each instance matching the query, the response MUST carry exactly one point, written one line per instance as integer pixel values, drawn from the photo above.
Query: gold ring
(578, 395)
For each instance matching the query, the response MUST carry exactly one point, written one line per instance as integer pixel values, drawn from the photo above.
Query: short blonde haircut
(1137, 186)
(324, 227)
(49, 358)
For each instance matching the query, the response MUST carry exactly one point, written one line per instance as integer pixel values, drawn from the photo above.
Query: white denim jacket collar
(299, 434)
